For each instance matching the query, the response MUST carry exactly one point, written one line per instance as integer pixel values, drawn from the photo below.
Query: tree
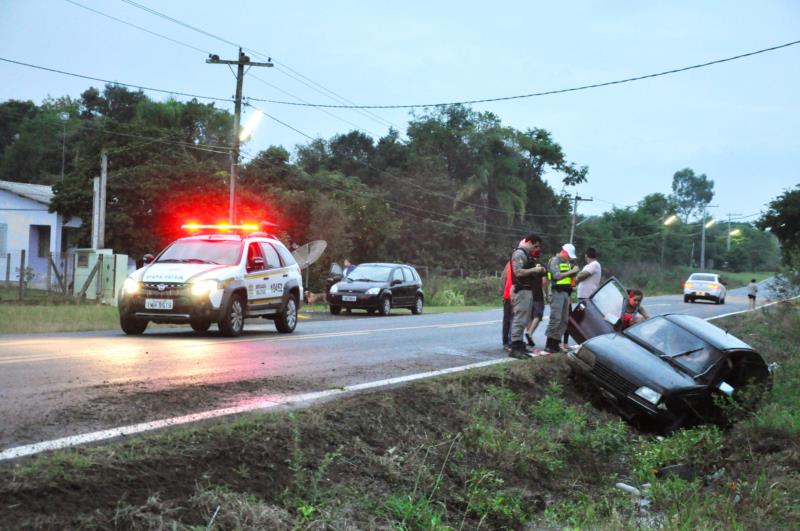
(690, 192)
(783, 220)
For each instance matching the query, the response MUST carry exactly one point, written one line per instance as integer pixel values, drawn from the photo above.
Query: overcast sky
(737, 122)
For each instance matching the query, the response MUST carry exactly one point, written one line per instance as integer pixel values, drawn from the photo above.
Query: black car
(378, 287)
(668, 369)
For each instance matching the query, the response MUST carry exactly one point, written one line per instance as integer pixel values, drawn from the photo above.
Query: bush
(445, 291)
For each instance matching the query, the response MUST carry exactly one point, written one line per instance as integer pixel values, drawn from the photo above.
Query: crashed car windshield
(370, 273)
(224, 252)
(676, 343)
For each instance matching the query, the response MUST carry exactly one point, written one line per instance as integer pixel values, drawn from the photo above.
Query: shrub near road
(505, 447)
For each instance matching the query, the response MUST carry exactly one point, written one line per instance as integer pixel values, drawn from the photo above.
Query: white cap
(521, 242)
(570, 249)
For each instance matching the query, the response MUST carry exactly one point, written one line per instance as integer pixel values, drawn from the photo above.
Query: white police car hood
(181, 273)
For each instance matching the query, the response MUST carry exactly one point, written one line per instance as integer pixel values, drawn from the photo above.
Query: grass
(24, 318)
(504, 447)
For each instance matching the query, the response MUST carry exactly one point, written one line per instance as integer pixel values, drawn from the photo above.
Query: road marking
(749, 310)
(258, 404)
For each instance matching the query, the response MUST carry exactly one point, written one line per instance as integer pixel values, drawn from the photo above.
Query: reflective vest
(563, 284)
(526, 282)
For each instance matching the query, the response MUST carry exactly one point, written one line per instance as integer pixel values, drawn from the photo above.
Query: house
(26, 224)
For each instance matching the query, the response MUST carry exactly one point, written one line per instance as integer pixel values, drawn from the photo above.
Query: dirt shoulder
(509, 447)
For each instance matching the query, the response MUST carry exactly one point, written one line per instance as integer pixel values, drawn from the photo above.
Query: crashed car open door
(670, 368)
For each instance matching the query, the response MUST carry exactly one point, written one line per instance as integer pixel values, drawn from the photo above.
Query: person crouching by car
(634, 312)
(561, 272)
(524, 274)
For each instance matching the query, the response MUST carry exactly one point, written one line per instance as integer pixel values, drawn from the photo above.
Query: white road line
(258, 404)
(748, 310)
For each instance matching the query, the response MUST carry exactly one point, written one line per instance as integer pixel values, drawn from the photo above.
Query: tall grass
(23, 318)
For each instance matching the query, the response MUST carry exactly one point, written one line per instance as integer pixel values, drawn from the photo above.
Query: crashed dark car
(668, 369)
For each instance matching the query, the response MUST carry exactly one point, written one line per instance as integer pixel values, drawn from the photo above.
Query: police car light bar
(220, 227)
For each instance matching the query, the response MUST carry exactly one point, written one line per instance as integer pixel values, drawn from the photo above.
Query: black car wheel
(200, 325)
(131, 325)
(336, 310)
(722, 301)
(386, 305)
(417, 308)
(286, 321)
(685, 298)
(232, 321)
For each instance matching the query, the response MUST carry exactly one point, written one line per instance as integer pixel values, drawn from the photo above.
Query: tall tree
(690, 192)
(783, 220)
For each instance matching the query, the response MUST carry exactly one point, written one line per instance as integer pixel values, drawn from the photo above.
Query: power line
(543, 93)
(108, 81)
(293, 75)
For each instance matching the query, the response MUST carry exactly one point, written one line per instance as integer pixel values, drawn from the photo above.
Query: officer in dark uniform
(524, 273)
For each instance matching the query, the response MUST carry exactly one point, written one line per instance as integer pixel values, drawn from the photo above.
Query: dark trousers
(507, 316)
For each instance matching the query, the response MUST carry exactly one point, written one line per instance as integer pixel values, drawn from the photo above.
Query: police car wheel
(232, 321)
(417, 309)
(386, 305)
(132, 326)
(286, 321)
(200, 325)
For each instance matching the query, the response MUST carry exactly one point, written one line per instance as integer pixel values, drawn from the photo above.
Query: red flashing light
(222, 227)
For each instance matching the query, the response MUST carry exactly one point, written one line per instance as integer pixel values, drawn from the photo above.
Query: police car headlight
(373, 291)
(334, 289)
(648, 394)
(131, 286)
(204, 287)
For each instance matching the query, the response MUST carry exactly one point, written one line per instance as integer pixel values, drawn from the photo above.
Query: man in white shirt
(588, 279)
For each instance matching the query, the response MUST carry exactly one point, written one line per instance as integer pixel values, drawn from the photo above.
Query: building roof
(41, 193)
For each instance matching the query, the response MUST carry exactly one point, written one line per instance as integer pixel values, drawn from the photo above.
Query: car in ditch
(219, 274)
(378, 287)
(671, 369)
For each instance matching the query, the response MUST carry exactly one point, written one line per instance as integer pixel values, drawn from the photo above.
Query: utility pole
(574, 213)
(703, 238)
(728, 244)
(240, 64)
(64, 117)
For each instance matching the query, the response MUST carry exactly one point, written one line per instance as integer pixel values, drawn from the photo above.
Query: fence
(26, 278)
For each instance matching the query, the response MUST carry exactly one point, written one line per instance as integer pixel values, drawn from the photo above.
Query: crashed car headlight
(204, 287)
(726, 388)
(648, 394)
(334, 289)
(131, 286)
(373, 291)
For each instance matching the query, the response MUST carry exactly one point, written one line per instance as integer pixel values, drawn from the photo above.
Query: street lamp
(64, 118)
(670, 220)
(711, 222)
(667, 222)
(735, 232)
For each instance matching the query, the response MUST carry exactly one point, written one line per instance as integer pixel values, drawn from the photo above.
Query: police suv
(215, 278)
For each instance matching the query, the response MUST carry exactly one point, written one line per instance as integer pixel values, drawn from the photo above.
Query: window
(398, 275)
(253, 252)
(270, 256)
(286, 256)
(3, 239)
(44, 241)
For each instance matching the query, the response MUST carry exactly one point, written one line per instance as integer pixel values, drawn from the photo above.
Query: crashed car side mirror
(396, 282)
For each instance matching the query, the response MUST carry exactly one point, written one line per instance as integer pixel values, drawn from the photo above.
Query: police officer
(561, 272)
(523, 276)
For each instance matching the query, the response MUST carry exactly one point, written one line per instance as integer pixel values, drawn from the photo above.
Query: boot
(552, 346)
(518, 351)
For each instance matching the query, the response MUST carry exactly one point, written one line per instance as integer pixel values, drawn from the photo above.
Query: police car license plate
(158, 304)
(701, 293)
(349, 298)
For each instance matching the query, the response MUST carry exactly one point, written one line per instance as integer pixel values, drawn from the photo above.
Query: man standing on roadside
(588, 279)
(561, 273)
(539, 291)
(524, 271)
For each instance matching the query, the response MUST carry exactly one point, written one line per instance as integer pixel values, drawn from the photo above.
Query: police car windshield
(370, 273)
(222, 252)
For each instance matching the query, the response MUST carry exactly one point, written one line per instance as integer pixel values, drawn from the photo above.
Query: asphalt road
(55, 385)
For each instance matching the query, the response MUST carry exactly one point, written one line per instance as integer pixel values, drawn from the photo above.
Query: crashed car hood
(181, 273)
(622, 355)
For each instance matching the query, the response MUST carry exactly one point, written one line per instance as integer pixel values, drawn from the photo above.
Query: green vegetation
(42, 318)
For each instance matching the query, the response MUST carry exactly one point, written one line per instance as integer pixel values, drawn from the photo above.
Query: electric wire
(293, 74)
(543, 93)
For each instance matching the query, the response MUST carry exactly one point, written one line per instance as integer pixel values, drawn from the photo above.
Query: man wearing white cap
(561, 273)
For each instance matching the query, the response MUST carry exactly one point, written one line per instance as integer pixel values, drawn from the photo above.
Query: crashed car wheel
(200, 325)
(286, 321)
(132, 326)
(232, 321)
